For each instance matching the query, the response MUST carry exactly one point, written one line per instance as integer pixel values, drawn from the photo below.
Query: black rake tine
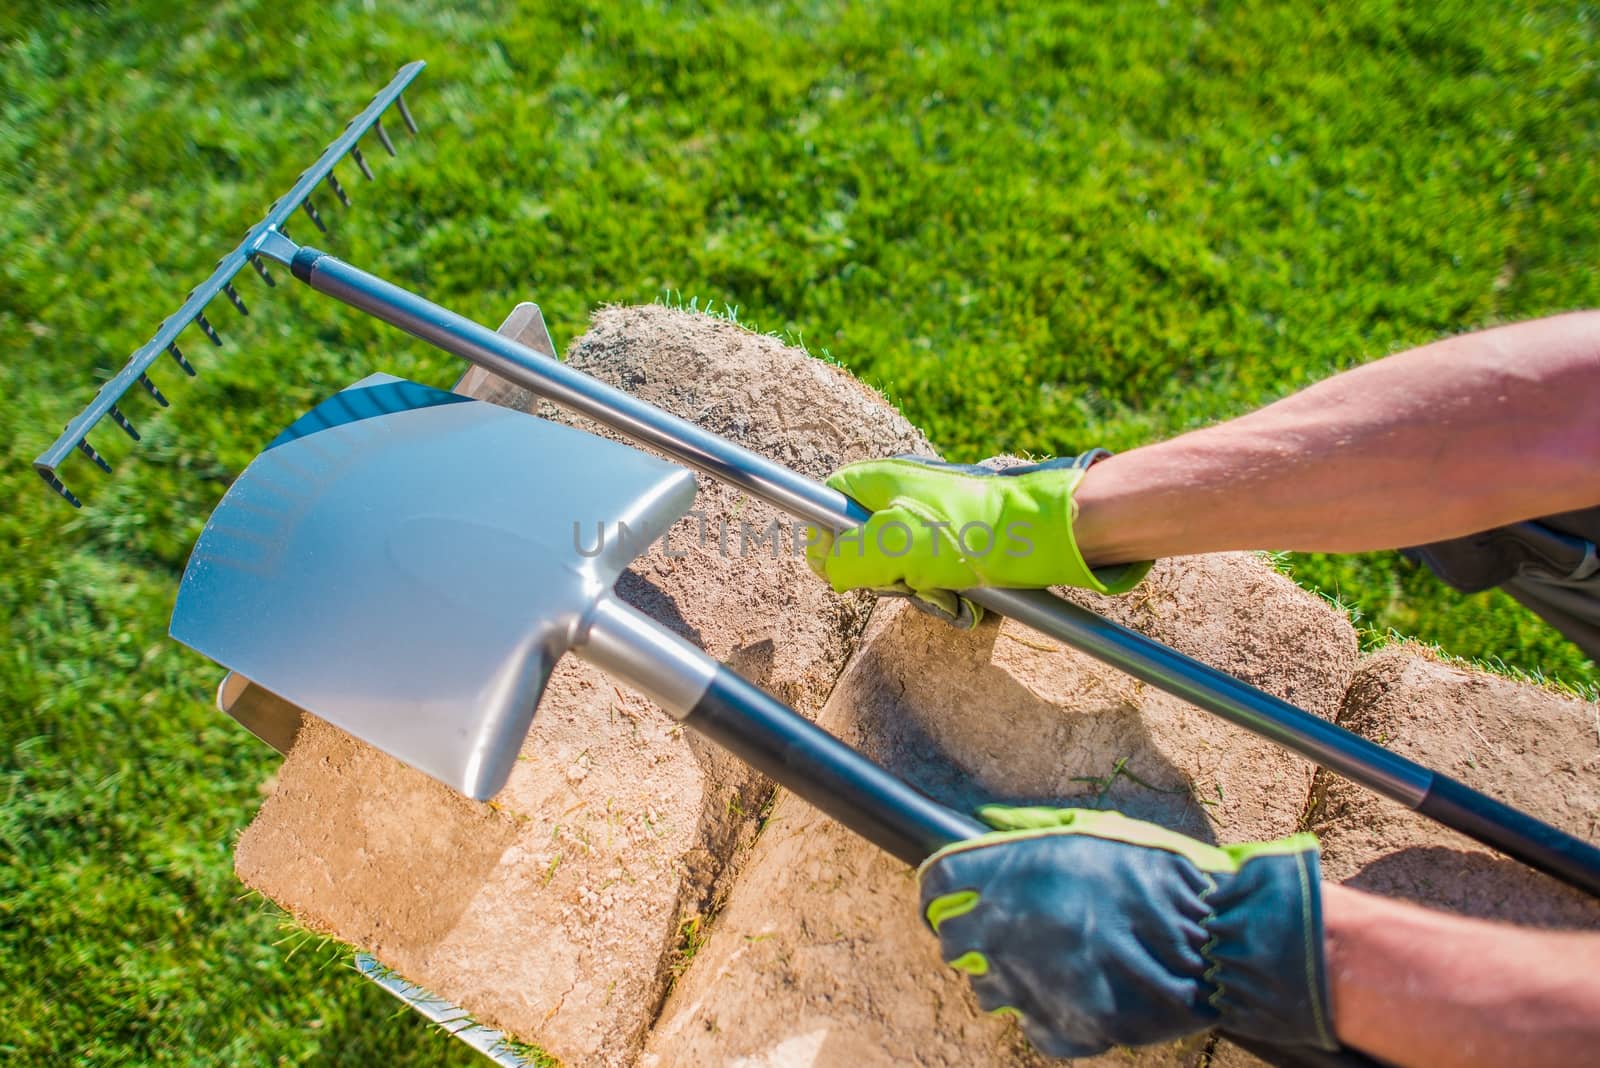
(177, 355)
(121, 420)
(60, 487)
(338, 190)
(405, 114)
(361, 161)
(210, 331)
(150, 388)
(383, 136)
(88, 450)
(261, 269)
(110, 402)
(311, 210)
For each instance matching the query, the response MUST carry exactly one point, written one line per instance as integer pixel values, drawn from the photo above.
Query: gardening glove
(1095, 930)
(938, 528)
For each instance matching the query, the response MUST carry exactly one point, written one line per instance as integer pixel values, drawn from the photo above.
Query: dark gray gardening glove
(1096, 930)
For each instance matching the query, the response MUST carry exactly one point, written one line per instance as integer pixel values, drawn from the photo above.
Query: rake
(74, 436)
(1435, 795)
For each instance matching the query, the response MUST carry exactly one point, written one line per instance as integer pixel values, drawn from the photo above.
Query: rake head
(250, 251)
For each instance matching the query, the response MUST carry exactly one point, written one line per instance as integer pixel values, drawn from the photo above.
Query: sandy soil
(1534, 749)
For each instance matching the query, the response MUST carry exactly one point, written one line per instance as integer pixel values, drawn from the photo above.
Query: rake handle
(1389, 774)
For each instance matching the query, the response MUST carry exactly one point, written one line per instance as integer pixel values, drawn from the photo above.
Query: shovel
(402, 563)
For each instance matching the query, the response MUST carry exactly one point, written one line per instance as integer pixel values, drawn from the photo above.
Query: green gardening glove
(1095, 930)
(938, 528)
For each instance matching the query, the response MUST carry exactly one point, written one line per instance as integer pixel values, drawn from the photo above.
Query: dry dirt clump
(1535, 749)
(1530, 747)
(554, 913)
(819, 958)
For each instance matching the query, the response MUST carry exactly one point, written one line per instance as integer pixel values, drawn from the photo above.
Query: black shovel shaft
(1357, 759)
(771, 737)
(766, 734)
(810, 762)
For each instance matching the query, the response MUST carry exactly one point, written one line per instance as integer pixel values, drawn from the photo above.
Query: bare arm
(1451, 438)
(1417, 987)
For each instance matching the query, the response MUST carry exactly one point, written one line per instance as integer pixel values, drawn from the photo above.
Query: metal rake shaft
(75, 436)
(1390, 774)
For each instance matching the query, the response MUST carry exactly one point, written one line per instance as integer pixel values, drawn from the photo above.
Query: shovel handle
(808, 761)
(768, 735)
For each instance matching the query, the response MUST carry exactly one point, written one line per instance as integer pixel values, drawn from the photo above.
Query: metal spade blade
(393, 564)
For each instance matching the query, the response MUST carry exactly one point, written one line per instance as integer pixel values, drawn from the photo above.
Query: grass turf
(1038, 227)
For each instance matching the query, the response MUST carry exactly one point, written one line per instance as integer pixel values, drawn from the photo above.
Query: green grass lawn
(1039, 228)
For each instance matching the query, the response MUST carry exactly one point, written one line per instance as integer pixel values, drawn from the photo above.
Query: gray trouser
(1571, 606)
(1551, 565)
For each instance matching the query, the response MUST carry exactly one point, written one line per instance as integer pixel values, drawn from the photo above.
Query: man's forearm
(1417, 987)
(1455, 437)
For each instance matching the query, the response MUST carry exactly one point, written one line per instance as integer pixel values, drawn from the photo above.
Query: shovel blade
(409, 565)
